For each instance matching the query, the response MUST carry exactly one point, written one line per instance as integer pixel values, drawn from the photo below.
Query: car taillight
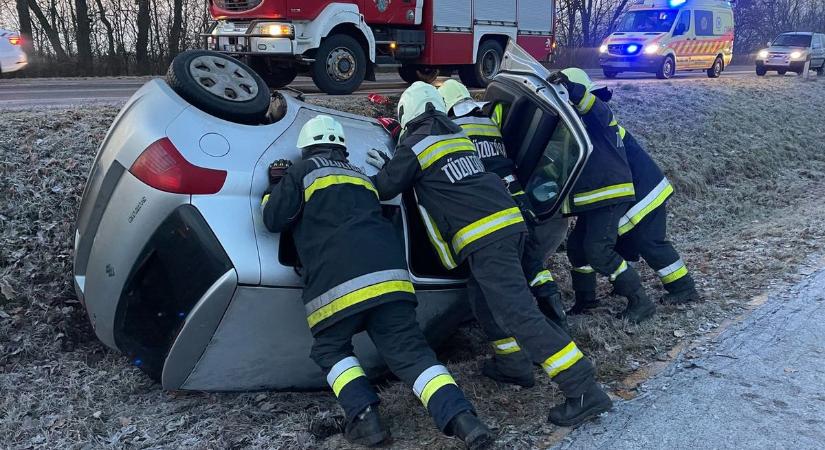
(163, 167)
(15, 40)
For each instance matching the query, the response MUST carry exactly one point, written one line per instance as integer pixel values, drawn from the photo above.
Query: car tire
(340, 65)
(716, 69)
(760, 71)
(781, 72)
(610, 73)
(198, 75)
(488, 63)
(411, 73)
(275, 77)
(821, 70)
(667, 69)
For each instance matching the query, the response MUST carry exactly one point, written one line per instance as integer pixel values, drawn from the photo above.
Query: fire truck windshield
(649, 21)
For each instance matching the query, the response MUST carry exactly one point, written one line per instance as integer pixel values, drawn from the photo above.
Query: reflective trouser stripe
(498, 111)
(516, 194)
(562, 360)
(640, 210)
(622, 267)
(586, 103)
(331, 180)
(441, 247)
(343, 372)
(613, 123)
(443, 148)
(486, 226)
(673, 272)
(430, 381)
(355, 291)
(583, 269)
(622, 132)
(605, 193)
(265, 200)
(542, 277)
(506, 346)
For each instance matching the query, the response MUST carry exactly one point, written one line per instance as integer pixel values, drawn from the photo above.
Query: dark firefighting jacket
(606, 178)
(463, 206)
(352, 257)
(651, 186)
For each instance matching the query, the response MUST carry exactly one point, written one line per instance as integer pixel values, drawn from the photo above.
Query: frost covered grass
(746, 157)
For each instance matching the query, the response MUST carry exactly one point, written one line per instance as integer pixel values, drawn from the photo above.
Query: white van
(12, 56)
(662, 36)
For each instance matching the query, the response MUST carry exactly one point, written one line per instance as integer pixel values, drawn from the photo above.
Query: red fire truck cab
(339, 43)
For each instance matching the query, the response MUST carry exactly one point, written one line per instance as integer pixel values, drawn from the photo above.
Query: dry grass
(746, 158)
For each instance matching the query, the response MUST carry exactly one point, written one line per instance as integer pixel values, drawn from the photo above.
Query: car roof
(800, 33)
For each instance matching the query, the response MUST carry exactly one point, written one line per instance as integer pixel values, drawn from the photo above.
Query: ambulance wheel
(760, 71)
(488, 63)
(716, 70)
(340, 65)
(412, 73)
(667, 69)
(610, 73)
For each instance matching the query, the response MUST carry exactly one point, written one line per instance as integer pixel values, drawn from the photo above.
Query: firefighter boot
(576, 410)
(639, 307)
(585, 300)
(553, 309)
(681, 291)
(472, 431)
(367, 428)
(511, 368)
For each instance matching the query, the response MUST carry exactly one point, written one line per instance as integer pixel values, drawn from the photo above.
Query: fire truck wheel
(667, 69)
(488, 63)
(340, 65)
(219, 85)
(412, 73)
(275, 77)
(716, 69)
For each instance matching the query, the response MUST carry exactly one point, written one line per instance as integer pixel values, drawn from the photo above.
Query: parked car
(790, 51)
(174, 264)
(12, 56)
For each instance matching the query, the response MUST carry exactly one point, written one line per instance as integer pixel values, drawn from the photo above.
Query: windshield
(650, 21)
(792, 40)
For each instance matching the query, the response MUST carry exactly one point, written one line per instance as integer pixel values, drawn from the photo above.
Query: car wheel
(610, 73)
(716, 69)
(667, 69)
(412, 73)
(760, 71)
(219, 85)
(275, 77)
(340, 65)
(781, 72)
(488, 63)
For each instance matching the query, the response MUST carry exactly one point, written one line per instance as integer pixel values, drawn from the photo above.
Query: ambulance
(663, 36)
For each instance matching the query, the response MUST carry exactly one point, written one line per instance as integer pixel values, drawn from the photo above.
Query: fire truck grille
(237, 5)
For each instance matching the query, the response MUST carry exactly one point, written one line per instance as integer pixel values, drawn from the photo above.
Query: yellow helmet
(321, 129)
(415, 99)
(579, 76)
(454, 93)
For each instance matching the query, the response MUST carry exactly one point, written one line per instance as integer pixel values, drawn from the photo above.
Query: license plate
(778, 61)
(620, 64)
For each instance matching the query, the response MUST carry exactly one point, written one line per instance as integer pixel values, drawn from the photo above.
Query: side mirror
(769, 43)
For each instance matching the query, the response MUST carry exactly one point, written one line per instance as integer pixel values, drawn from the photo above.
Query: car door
(704, 45)
(542, 132)
(817, 51)
(682, 39)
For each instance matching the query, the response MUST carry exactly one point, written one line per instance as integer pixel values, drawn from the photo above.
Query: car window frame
(697, 15)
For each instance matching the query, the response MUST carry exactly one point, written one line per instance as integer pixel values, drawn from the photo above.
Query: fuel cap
(213, 144)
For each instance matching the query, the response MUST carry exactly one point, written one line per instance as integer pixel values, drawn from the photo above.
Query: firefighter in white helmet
(471, 218)
(356, 280)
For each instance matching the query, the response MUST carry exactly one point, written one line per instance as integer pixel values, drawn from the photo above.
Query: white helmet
(321, 130)
(416, 100)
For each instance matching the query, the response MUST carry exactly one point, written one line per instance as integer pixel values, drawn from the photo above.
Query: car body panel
(12, 57)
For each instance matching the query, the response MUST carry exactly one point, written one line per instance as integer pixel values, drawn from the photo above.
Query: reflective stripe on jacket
(651, 186)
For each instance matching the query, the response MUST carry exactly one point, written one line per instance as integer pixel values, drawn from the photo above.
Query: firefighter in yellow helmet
(356, 279)
(602, 194)
(471, 218)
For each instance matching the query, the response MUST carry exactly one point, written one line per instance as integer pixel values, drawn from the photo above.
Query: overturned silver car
(174, 264)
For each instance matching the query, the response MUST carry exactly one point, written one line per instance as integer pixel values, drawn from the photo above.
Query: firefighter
(643, 228)
(469, 216)
(599, 199)
(356, 279)
(482, 124)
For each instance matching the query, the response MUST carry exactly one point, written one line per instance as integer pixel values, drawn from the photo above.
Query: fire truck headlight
(277, 30)
(603, 49)
(651, 49)
(796, 54)
(762, 54)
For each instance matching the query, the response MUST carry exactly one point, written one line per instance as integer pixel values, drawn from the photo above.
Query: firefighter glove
(277, 170)
(558, 77)
(376, 158)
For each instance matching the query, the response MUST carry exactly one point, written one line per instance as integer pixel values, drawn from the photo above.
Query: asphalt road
(761, 386)
(28, 92)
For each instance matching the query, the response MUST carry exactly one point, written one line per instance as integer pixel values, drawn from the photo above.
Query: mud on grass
(745, 156)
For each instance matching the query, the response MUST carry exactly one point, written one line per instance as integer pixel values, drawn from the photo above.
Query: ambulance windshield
(649, 21)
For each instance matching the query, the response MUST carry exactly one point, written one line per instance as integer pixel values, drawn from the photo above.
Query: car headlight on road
(796, 54)
(652, 49)
(762, 54)
(603, 49)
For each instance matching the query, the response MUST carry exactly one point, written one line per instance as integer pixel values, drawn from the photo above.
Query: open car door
(543, 133)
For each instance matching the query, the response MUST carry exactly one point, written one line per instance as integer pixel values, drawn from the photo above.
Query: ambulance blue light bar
(675, 3)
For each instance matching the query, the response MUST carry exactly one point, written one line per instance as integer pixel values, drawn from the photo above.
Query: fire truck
(340, 43)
